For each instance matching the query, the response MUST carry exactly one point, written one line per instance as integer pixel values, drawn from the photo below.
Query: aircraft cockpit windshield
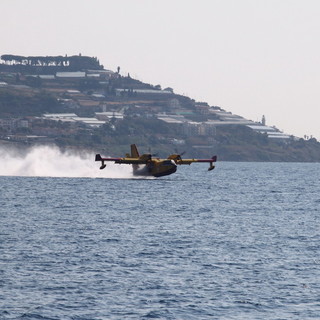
(169, 162)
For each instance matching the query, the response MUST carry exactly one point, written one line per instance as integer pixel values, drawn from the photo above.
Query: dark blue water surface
(240, 242)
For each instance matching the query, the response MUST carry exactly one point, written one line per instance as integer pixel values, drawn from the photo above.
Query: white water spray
(48, 161)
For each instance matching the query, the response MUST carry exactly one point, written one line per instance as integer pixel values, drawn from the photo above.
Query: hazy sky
(250, 57)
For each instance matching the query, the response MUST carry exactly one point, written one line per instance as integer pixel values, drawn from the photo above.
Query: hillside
(74, 102)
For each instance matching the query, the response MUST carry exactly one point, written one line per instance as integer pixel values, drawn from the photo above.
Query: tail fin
(134, 151)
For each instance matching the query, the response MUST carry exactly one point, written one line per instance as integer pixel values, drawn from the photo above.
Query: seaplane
(148, 165)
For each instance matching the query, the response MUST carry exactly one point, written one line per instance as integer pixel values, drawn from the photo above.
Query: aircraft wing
(189, 161)
(120, 160)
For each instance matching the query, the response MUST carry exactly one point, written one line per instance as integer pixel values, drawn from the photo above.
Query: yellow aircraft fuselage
(156, 168)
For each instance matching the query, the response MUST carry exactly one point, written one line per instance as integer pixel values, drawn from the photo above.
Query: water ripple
(241, 243)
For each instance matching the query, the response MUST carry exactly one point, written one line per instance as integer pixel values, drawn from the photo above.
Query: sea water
(239, 242)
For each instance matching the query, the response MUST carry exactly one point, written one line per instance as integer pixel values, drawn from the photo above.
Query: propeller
(177, 155)
(180, 154)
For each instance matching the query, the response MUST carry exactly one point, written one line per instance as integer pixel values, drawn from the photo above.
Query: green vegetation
(22, 105)
(71, 63)
(231, 143)
(239, 143)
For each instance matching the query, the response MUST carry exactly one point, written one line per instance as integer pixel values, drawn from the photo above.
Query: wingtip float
(147, 165)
